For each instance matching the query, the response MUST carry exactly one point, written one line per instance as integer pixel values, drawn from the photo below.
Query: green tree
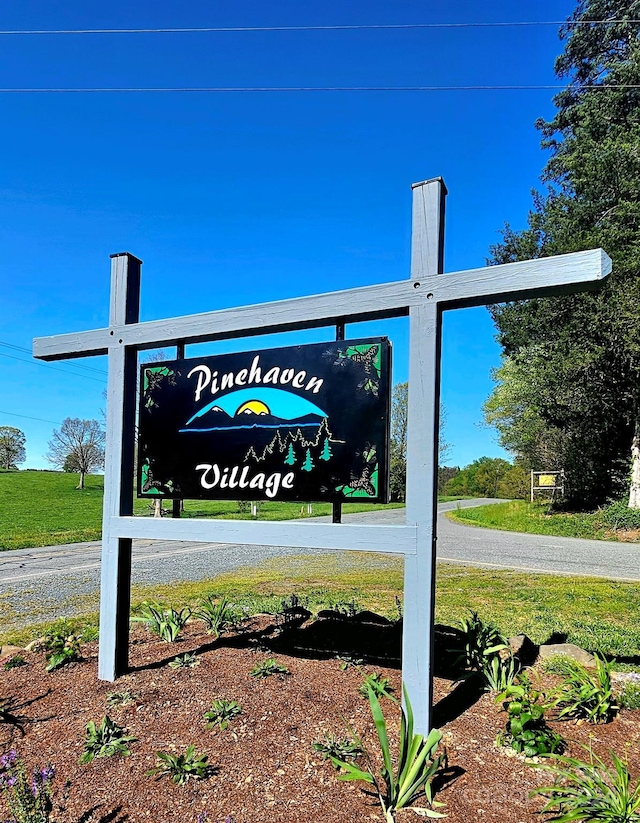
(12, 451)
(482, 478)
(290, 459)
(577, 358)
(78, 445)
(326, 450)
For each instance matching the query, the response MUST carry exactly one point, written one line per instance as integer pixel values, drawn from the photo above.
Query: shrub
(590, 791)
(104, 740)
(618, 515)
(583, 694)
(415, 768)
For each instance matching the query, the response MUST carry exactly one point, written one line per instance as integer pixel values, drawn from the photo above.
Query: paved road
(36, 583)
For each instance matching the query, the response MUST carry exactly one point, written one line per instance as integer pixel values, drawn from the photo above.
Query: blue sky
(246, 197)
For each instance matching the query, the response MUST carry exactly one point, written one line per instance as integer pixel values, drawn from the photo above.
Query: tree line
(567, 393)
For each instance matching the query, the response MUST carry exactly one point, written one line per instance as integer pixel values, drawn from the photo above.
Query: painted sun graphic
(253, 407)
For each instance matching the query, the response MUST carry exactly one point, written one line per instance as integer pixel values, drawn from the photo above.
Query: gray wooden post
(176, 507)
(427, 252)
(336, 509)
(115, 583)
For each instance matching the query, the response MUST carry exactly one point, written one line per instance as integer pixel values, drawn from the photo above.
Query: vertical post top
(126, 254)
(427, 233)
(125, 289)
(431, 180)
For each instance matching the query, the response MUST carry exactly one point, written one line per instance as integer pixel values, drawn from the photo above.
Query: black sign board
(299, 423)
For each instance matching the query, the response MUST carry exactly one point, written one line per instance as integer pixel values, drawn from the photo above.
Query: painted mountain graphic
(255, 408)
(217, 419)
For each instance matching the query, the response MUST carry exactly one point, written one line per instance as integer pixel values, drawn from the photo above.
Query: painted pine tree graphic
(308, 462)
(326, 453)
(290, 459)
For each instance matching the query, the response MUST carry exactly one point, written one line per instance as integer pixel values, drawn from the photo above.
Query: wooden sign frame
(423, 297)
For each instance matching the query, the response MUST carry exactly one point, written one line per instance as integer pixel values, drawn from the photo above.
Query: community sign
(307, 423)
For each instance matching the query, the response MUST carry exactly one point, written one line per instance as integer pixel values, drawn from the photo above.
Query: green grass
(45, 509)
(598, 615)
(532, 518)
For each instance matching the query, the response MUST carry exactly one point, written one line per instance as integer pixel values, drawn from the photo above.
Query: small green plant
(187, 661)
(222, 713)
(267, 668)
(181, 767)
(61, 649)
(349, 660)
(583, 694)
(415, 768)
(526, 730)
(119, 698)
(166, 623)
(28, 797)
(216, 616)
(499, 672)
(630, 696)
(378, 683)
(340, 748)
(14, 662)
(590, 791)
(105, 740)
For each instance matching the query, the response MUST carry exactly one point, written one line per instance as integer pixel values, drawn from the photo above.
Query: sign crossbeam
(492, 284)
(424, 296)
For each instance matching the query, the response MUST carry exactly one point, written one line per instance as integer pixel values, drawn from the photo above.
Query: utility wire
(282, 89)
(75, 365)
(56, 368)
(356, 27)
(26, 417)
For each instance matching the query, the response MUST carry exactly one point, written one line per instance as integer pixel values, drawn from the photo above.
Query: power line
(56, 368)
(355, 27)
(282, 89)
(26, 417)
(75, 365)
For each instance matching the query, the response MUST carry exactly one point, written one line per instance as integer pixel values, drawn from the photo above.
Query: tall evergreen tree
(579, 356)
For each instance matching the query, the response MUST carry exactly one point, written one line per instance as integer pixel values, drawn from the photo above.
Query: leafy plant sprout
(14, 662)
(583, 694)
(379, 685)
(182, 767)
(267, 668)
(348, 660)
(221, 713)
(119, 698)
(216, 616)
(411, 776)
(590, 791)
(61, 649)
(341, 748)
(105, 740)
(166, 623)
(526, 730)
(189, 660)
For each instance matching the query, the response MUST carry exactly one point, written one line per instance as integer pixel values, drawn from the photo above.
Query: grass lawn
(40, 508)
(599, 615)
(532, 518)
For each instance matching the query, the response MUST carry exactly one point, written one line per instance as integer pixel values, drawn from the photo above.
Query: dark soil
(263, 765)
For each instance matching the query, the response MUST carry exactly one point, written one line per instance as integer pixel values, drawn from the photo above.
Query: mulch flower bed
(262, 766)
